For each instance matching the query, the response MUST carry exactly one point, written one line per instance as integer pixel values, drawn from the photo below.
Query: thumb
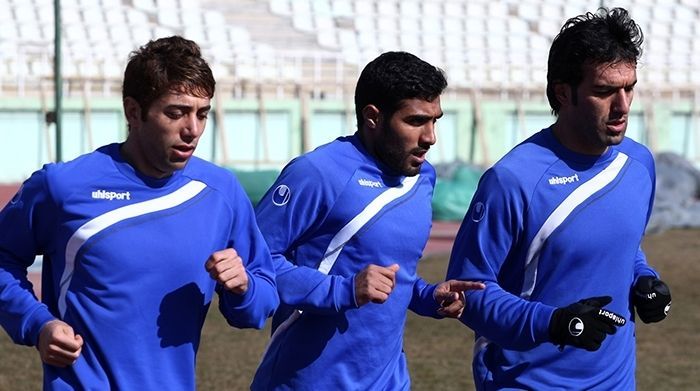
(598, 301)
(393, 267)
(79, 340)
(446, 297)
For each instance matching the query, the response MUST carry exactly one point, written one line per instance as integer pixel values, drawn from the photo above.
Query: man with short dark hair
(555, 227)
(136, 237)
(347, 224)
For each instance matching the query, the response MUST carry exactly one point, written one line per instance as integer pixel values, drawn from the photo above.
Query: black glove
(584, 324)
(652, 298)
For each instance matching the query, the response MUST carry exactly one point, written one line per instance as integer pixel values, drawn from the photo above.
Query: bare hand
(450, 296)
(375, 283)
(226, 268)
(58, 344)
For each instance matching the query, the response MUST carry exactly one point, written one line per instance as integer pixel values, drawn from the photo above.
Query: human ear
(372, 116)
(562, 92)
(132, 111)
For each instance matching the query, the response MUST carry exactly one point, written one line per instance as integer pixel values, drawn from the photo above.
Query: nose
(427, 136)
(623, 101)
(193, 127)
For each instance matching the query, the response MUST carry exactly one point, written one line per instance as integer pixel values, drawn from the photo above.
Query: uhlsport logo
(17, 196)
(563, 180)
(281, 195)
(111, 195)
(576, 327)
(478, 212)
(369, 183)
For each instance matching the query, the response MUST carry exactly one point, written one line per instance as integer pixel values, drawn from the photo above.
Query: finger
(389, 271)
(610, 318)
(599, 301)
(57, 356)
(65, 340)
(209, 264)
(460, 286)
(228, 269)
(232, 277)
(235, 280)
(67, 345)
(383, 285)
(220, 256)
(453, 308)
(79, 340)
(597, 337)
(378, 297)
(225, 253)
(227, 266)
(445, 298)
(661, 287)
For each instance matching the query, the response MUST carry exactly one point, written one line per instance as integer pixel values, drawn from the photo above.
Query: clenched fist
(374, 284)
(226, 268)
(58, 344)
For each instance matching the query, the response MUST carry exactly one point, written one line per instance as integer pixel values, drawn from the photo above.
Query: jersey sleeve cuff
(346, 294)
(235, 301)
(542, 323)
(34, 323)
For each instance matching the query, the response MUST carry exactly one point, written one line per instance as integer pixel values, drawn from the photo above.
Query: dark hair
(166, 64)
(394, 76)
(608, 36)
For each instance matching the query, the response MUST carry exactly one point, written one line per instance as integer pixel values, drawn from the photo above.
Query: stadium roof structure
(285, 47)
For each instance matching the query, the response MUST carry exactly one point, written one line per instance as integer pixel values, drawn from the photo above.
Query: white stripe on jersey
(350, 229)
(346, 233)
(99, 223)
(576, 198)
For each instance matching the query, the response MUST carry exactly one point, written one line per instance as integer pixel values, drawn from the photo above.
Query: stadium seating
(485, 44)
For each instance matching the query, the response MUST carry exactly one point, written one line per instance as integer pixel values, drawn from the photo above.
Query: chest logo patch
(110, 195)
(369, 183)
(281, 195)
(563, 180)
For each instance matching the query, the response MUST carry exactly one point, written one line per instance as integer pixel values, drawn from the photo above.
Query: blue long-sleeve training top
(548, 227)
(331, 213)
(123, 265)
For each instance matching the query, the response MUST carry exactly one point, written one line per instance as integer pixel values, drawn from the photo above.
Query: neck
(129, 152)
(567, 135)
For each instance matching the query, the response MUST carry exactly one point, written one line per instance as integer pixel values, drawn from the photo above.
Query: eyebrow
(421, 115)
(188, 107)
(615, 85)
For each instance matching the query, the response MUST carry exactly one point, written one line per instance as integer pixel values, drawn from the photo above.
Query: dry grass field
(440, 351)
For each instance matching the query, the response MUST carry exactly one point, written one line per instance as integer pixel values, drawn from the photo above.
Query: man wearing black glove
(652, 298)
(584, 324)
(560, 218)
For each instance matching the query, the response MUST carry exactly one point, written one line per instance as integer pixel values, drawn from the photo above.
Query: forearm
(641, 268)
(21, 314)
(308, 289)
(250, 310)
(506, 319)
(422, 302)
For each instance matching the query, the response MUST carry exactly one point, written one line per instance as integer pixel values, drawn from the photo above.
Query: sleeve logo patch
(478, 212)
(281, 195)
(17, 196)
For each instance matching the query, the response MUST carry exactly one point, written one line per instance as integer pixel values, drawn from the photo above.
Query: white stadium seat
(512, 36)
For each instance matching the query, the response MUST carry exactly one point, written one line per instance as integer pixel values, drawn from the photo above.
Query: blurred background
(286, 71)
